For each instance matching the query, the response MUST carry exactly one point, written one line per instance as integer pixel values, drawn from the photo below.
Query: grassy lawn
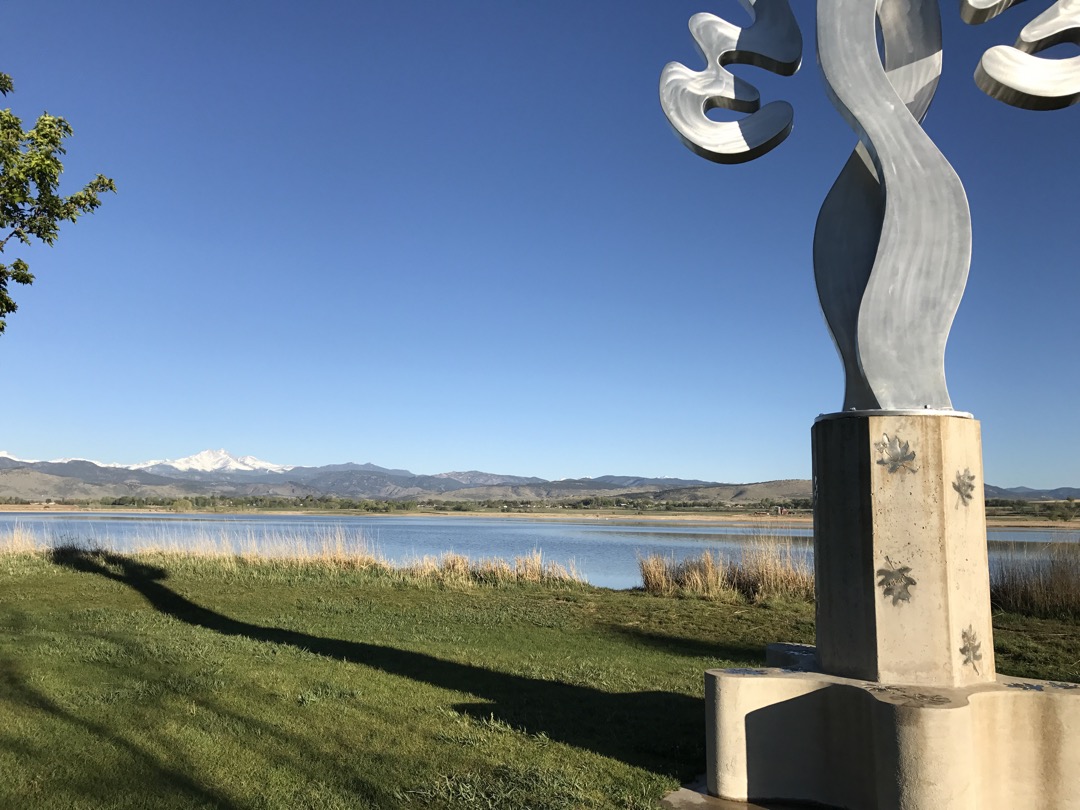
(166, 681)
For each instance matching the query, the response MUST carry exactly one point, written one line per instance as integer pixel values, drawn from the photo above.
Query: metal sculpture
(1014, 74)
(893, 240)
(774, 43)
(900, 556)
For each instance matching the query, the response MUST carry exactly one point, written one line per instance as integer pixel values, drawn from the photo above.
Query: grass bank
(161, 680)
(184, 681)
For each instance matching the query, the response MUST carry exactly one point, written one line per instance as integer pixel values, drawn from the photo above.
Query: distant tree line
(1043, 510)
(645, 504)
(1046, 510)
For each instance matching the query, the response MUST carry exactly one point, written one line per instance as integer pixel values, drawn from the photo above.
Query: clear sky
(461, 235)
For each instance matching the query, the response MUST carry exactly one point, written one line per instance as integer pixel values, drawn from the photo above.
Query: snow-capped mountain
(214, 461)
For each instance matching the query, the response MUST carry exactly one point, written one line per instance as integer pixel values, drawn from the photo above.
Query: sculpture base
(789, 735)
(903, 592)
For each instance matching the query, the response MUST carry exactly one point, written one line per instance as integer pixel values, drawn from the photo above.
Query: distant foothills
(217, 473)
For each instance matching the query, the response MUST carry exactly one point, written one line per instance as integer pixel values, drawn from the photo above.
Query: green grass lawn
(164, 681)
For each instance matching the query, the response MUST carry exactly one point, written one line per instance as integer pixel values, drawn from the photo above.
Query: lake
(605, 552)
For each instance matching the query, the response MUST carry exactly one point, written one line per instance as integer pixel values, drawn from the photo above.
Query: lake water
(605, 552)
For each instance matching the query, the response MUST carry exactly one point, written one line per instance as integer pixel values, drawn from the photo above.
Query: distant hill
(90, 473)
(26, 483)
(541, 490)
(218, 472)
(482, 479)
(788, 489)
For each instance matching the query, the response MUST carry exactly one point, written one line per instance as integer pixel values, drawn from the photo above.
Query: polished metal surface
(893, 240)
(1014, 74)
(772, 42)
(974, 12)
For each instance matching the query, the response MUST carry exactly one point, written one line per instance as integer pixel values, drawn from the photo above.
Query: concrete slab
(862, 745)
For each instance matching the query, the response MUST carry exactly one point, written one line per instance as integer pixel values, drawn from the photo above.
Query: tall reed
(457, 569)
(775, 568)
(1042, 583)
(769, 569)
(18, 541)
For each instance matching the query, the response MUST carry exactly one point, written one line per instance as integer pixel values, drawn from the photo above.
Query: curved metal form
(974, 12)
(1014, 74)
(893, 241)
(773, 42)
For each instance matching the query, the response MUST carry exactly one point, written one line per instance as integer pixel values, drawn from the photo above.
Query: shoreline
(612, 517)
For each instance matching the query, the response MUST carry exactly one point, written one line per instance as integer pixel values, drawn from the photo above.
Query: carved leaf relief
(971, 648)
(965, 486)
(896, 456)
(895, 581)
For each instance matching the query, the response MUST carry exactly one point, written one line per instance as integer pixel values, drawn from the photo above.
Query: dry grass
(769, 569)
(707, 575)
(1042, 582)
(457, 569)
(1045, 584)
(775, 569)
(18, 541)
(332, 550)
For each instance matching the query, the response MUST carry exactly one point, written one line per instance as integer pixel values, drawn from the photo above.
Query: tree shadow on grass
(741, 654)
(152, 775)
(98, 786)
(661, 732)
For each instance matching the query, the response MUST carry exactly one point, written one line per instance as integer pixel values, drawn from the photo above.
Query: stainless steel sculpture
(903, 621)
(773, 42)
(893, 240)
(1014, 74)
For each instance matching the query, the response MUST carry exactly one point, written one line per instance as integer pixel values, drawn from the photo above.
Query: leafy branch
(30, 205)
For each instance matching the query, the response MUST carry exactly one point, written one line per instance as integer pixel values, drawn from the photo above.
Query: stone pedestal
(783, 735)
(903, 591)
(898, 707)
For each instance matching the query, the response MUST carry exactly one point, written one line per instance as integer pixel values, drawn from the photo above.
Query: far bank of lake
(605, 551)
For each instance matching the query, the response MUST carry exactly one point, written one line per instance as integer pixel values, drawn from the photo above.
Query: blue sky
(463, 236)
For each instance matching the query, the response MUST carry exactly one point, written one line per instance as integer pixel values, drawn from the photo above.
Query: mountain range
(219, 472)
